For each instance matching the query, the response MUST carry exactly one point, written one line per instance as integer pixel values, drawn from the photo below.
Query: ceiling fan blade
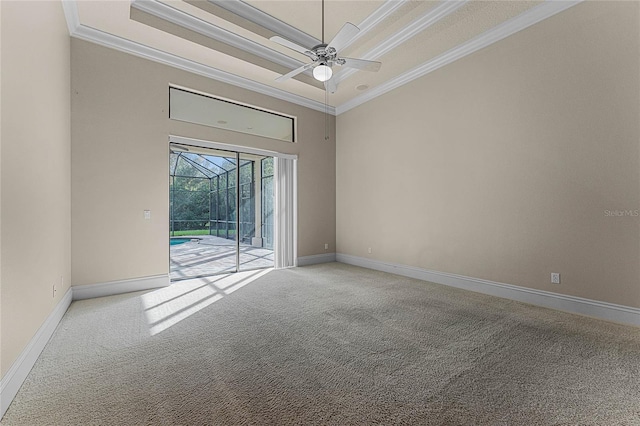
(361, 64)
(293, 46)
(331, 85)
(346, 33)
(295, 72)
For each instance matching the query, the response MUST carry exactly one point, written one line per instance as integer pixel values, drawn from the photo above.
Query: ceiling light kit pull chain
(325, 56)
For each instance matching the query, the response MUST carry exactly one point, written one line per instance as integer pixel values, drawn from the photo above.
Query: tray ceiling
(229, 39)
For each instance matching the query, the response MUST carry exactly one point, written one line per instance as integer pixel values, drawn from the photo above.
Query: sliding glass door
(267, 201)
(221, 204)
(254, 200)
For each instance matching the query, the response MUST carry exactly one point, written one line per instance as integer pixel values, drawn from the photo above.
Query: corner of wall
(35, 125)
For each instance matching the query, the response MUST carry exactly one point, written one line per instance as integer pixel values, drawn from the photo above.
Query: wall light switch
(147, 214)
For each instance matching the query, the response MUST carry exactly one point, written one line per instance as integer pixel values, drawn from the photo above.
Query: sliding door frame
(229, 147)
(292, 214)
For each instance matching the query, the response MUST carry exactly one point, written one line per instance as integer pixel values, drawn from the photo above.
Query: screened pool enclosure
(220, 211)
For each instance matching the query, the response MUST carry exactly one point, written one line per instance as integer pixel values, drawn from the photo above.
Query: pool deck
(211, 255)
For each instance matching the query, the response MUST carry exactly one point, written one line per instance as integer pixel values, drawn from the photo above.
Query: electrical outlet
(369, 250)
(326, 246)
(555, 278)
(55, 289)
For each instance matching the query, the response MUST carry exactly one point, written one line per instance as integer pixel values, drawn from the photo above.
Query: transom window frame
(222, 124)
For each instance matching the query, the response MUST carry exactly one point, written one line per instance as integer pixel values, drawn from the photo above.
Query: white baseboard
(316, 258)
(12, 381)
(90, 291)
(561, 302)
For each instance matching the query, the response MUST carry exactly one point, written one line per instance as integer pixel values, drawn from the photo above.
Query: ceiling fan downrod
(325, 55)
(322, 21)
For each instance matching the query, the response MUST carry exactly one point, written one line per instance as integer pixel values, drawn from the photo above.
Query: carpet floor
(328, 344)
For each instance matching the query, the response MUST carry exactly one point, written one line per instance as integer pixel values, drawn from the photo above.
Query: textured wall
(35, 168)
(503, 165)
(120, 160)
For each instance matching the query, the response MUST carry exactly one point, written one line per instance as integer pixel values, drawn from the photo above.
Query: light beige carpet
(329, 344)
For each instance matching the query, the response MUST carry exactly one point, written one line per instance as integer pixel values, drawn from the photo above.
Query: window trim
(293, 118)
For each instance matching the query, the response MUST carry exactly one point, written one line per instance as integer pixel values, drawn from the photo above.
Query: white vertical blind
(285, 220)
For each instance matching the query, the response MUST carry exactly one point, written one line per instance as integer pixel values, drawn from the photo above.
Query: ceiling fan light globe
(322, 73)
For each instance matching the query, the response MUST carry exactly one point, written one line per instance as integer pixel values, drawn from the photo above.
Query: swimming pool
(176, 241)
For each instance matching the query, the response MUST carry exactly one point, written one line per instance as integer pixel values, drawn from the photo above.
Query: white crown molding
(578, 305)
(291, 33)
(378, 15)
(171, 14)
(89, 291)
(207, 29)
(506, 29)
(258, 17)
(19, 370)
(418, 25)
(71, 15)
(512, 26)
(118, 43)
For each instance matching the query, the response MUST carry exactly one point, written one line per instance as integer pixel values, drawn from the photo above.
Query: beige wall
(35, 169)
(120, 131)
(501, 165)
(1, 368)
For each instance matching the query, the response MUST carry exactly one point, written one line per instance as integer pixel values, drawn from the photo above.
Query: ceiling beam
(267, 21)
(207, 29)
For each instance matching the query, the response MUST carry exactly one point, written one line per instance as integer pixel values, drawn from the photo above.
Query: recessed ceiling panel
(231, 38)
(307, 14)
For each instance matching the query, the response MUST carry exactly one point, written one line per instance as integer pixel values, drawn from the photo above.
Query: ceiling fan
(325, 56)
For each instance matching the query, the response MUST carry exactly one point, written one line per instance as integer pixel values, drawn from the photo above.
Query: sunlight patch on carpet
(168, 306)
